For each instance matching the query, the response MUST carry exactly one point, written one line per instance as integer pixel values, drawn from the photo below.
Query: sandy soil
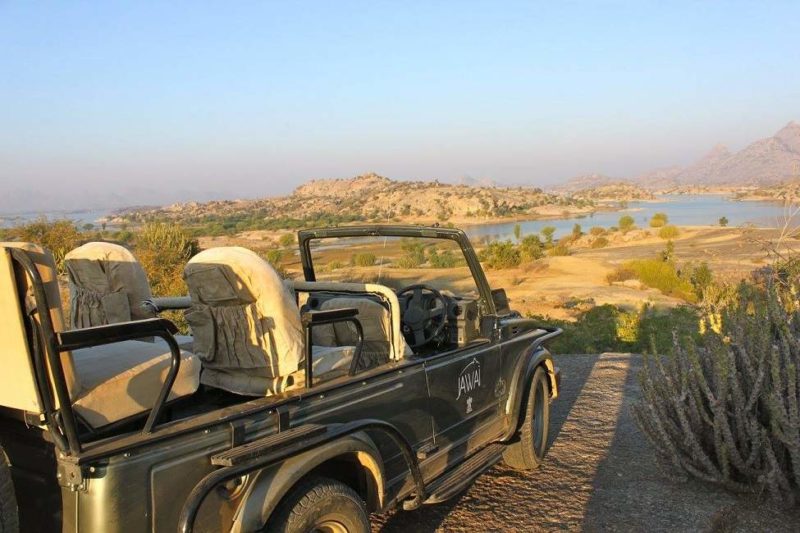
(599, 475)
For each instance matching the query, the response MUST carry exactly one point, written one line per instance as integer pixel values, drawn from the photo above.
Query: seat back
(375, 323)
(107, 285)
(46, 267)
(246, 325)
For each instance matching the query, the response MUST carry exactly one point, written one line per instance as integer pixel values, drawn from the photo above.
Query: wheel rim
(538, 419)
(330, 526)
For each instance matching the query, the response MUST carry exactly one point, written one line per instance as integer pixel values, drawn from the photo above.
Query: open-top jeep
(390, 375)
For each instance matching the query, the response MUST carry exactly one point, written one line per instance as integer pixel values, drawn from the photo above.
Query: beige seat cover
(246, 325)
(122, 379)
(375, 324)
(112, 382)
(107, 285)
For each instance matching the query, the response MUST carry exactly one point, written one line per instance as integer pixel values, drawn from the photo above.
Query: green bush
(608, 328)
(659, 220)
(724, 408)
(597, 231)
(548, 232)
(662, 275)
(559, 249)
(286, 240)
(363, 259)
(58, 236)
(626, 223)
(445, 259)
(273, 256)
(531, 248)
(669, 232)
(501, 254)
(334, 265)
(599, 242)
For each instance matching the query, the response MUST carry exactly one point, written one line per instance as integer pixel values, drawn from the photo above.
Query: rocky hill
(602, 188)
(370, 198)
(765, 162)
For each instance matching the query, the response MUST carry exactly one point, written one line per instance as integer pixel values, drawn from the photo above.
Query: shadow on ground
(599, 474)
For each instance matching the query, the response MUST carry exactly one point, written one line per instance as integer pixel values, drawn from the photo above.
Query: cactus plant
(727, 409)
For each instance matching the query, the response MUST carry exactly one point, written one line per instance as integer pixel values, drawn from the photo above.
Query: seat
(112, 382)
(247, 328)
(106, 284)
(375, 323)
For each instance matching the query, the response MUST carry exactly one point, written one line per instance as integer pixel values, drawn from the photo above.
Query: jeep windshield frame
(304, 238)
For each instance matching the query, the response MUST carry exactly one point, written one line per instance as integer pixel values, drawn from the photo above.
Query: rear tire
(527, 452)
(9, 514)
(320, 504)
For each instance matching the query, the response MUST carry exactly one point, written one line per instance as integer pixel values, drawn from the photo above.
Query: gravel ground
(599, 474)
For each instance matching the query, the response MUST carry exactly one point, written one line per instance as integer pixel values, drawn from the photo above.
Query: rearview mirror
(500, 300)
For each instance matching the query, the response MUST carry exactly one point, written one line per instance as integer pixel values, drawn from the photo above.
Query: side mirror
(500, 300)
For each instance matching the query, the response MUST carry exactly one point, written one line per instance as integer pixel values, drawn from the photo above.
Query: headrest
(235, 277)
(105, 269)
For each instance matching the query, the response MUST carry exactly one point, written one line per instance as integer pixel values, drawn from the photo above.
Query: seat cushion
(329, 362)
(123, 379)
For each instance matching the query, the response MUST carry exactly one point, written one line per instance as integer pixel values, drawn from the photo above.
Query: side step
(242, 453)
(454, 481)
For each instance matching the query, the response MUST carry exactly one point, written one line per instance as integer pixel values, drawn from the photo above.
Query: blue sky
(184, 99)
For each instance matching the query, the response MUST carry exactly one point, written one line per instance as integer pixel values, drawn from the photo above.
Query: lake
(682, 210)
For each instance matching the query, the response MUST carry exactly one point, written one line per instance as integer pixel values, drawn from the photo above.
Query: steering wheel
(421, 322)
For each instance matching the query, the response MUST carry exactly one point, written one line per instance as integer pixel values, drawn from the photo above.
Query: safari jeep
(390, 375)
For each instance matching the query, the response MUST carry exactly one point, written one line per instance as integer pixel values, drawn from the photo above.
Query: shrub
(669, 232)
(286, 240)
(559, 249)
(622, 273)
(500, 255)
(662, 275)
(723, 221)
(163, 250)
(600, 242)
(273, 256)
(597, 231)
(58, 236)
(725, 409)
(626, 223)
(517, 232)
(363, 259)
(445, 259)
(609, 328)
(577, 231)
(548, 232)
(334, 265)
(659, 220)
(531, 248)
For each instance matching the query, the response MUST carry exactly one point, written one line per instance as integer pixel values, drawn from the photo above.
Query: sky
(142, 102)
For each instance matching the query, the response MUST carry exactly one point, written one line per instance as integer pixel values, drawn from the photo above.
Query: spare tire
(9, 515)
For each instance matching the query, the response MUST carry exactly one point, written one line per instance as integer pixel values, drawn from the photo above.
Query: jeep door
(464, 400)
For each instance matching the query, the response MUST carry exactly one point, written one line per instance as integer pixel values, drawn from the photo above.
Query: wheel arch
(335, 459)
(536, 356)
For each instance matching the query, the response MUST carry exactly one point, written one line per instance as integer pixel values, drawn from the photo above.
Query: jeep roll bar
(62, 421)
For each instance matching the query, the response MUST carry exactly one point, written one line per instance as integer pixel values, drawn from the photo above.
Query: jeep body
(414, 429)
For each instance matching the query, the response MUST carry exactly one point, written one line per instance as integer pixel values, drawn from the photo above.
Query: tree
(626, 223)
(88, 226)
(723, 221)
(517, 231)
(531, 248)
(548, 232)
(577, 231)
(163, 250)
(659, 220)
(59, 236)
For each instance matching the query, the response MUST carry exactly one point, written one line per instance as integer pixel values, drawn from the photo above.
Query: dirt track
(599, 475)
